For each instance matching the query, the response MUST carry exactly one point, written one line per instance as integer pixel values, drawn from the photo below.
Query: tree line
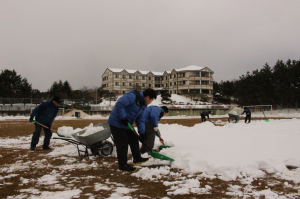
(13, 85)
(278, 86)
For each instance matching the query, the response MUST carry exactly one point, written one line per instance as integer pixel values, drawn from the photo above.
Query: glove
(161, 140)
(30, 119)
(142, 137)
(125, 121)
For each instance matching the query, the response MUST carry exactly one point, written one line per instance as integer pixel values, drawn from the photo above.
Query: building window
(166, 85)
(130, 76)
(117, 83)
(170, 84)
(130, 84)
(170, 76)
(149, 79)
(143, 84)
(123, 83)
(174, 83)
(137, 84)
(117, 76)
(166, 77)
(175, 91)
(175, 76)
(143, 77)
(183, 82)
(162, 85)
(124, 76)
(170, 92)
(136, 77)
(149, 85)
(124, 92)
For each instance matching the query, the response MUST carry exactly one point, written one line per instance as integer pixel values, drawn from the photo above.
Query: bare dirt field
(22, 172)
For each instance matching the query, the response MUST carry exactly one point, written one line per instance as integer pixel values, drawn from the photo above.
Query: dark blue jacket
(45, 113)
(126, 107)
(247, 111)
(152, 115)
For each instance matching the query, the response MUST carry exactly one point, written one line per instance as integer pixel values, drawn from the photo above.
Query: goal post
(259, 108)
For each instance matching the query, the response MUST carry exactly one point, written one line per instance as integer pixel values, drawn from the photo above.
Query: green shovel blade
(160, 156)
(164, 147)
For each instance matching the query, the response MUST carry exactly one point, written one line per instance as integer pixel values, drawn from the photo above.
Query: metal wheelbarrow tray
(96, 142)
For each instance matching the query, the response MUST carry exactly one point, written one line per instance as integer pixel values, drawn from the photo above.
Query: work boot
(128, 168)
(32, 149)
(46, 148)
(140, 161)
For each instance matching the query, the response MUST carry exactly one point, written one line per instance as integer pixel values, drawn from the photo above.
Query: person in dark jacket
(151, 116)
(205, 114)
(44, 114)
(248, 114)
(129, 108)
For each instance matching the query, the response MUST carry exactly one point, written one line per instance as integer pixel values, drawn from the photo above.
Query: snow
(190, 68)
(91, 130)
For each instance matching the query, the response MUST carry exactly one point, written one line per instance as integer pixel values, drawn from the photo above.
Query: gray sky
(73, 40)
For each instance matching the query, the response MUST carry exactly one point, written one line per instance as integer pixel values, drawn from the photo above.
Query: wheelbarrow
(233, 118)
(97, 142)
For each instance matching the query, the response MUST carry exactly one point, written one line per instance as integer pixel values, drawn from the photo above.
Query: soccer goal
(259, 108)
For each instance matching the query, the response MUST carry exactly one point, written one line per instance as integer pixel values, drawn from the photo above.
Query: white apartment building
(190, 79)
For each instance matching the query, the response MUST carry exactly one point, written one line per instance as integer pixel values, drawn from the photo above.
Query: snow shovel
(266, 118)
(152, 153)
(163, 146)
(53, 131)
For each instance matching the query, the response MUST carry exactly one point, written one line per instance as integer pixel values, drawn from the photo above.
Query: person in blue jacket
(248, 114)
(44, 114)
(129, 108)
(151, 116)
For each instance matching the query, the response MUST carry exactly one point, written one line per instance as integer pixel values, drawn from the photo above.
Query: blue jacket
(152, 115)
(126, 107)
(45, 113)
(247, 111)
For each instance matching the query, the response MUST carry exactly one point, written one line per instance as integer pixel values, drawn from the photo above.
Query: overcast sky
(47, 41)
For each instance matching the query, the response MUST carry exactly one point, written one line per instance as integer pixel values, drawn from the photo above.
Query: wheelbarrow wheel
(106, 148)
(232, 119)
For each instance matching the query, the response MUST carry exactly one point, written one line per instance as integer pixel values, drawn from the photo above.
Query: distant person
(205, 114)
(129, 108)
(248, 114)
(151, 116)
(44, 114)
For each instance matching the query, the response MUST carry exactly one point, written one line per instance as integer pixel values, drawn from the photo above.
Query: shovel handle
(131, 128)
(43, 126)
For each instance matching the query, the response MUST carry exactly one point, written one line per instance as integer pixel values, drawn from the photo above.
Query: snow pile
(66, 131)
(91, 130)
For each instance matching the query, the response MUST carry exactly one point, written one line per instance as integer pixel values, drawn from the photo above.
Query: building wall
(177, 82)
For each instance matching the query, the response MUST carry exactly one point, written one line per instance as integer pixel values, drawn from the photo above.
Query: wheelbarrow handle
(43, 125)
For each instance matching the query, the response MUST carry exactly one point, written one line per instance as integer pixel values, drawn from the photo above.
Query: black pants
(248, 117)
(122, 139)
(203, 118)
(36, 136)
(149, 137)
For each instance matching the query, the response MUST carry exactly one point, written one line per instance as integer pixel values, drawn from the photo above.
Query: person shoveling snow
(151, 116)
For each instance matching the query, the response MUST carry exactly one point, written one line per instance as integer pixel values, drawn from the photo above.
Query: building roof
(190, 68)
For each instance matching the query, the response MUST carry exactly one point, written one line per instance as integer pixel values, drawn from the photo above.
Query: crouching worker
(44, 114)
(248, 114)
(129, 108)
(151, 116)
(205, 114)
